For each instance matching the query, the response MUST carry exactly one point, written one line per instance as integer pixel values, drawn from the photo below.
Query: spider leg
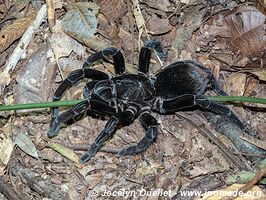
(78, 110)
(219, 109)
(150, 125)
(109, 129)
(66, 116)
(72, 79)
(145, 54)
(118, 59)
(88, 88)
(190, 100)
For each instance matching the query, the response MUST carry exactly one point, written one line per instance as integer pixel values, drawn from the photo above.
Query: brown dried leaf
(15, 30)
(235, 84)
(158, 26)
(6, 147)
(129, 43)
(112, 9)
(246, 30)
(105, 27)
(163, 5)
(3, 10)
(261, 74)
(35, 78)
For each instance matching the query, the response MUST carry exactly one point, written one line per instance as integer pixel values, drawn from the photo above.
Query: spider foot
(89, 154)
(54, 129)
(132, 150)
(84, 158)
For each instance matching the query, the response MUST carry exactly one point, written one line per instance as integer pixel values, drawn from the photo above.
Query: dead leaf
(35, 78)
(80, 20)
(235, 84)
(261, 74)
(6, 147)
(15, 30)
(62, 44)
(26, 145)
(158, 26)
(107, 28)
(169, 147)
(163, 5)
(4, 78)
(112, 9)
(64, 151)
(246, 29)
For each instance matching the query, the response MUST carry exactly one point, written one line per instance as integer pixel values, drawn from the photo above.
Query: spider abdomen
(181, 78)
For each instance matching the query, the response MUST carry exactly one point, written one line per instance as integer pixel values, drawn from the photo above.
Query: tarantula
(125, 97)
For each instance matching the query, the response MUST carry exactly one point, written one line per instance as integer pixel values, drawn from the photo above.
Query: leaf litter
(227, 37)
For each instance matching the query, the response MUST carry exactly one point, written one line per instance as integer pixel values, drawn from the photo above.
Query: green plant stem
(39, 105)
(237, 98)
(73, 102)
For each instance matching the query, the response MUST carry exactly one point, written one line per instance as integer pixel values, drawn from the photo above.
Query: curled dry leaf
(6, 147)
(26, 145)
(34, 78)
(246, 30)
(15, 30)
(80, 22)
(112, 9)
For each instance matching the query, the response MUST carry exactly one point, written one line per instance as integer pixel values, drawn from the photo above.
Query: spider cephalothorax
(127, 97)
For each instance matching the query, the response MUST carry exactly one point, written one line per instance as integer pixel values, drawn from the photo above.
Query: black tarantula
(125, 97)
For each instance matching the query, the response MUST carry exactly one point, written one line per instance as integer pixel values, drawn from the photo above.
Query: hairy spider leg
(222, 110)
(72, 79)
(126, 117)
(145, 54)
(88, 88)
(118, 59)
(190, 100)
(149, 123)
(118, 62)
(77, 110)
